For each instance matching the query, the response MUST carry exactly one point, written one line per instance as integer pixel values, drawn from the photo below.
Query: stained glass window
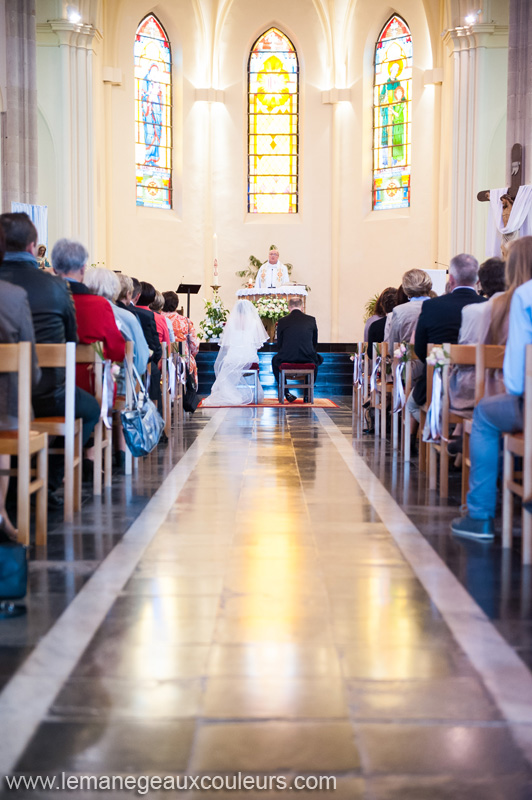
(392, 113)
(273, 119)
(153, 114)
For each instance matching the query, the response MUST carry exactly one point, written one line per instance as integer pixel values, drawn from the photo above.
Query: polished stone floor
(255, 600)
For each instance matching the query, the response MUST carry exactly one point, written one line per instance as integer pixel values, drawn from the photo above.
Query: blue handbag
(142, 424)
(13, 571)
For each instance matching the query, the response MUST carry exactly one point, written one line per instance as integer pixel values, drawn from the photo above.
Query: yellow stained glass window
(273, 125)
(392, 113)
(153, 114)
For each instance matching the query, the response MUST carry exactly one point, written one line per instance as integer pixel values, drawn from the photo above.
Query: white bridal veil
(243, 335)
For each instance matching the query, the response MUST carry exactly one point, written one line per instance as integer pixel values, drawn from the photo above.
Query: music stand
(189, 288)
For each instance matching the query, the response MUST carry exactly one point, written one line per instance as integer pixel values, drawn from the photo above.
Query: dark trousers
(277, 360)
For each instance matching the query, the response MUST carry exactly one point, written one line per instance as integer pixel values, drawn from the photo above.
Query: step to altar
(335, 375)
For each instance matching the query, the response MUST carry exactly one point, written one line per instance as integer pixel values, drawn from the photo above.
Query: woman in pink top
(183, 331)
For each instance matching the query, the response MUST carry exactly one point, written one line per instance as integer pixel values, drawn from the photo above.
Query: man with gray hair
(440, 318)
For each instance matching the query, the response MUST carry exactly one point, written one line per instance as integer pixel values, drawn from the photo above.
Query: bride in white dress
(243, 335)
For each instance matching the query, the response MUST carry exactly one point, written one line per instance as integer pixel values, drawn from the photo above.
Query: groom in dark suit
(297, 339)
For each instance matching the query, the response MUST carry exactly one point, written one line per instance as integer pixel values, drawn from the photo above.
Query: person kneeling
(297, 340)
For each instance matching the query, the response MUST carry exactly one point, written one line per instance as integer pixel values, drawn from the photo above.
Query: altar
(280, 293)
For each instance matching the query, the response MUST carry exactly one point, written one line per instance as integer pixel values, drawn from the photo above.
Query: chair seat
(253, 368)
(287, 366)
(515, 443)
(55, 426)
(9, 442)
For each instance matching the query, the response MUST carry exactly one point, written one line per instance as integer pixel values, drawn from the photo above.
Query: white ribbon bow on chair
(399, 391)
(373, 379)
(108, 390)
(432, 430)
(172, 377)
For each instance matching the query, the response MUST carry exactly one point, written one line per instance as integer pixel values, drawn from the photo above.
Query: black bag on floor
(13, 571)
(191, 398)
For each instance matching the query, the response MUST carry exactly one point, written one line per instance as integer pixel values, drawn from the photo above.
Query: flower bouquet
(271, 310)
(211, 328)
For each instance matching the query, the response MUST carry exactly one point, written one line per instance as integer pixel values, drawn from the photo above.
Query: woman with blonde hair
(401, 323)
(518, 271)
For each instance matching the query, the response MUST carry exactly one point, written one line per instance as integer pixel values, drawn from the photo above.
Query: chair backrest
(87, 354)
(17, 358)
(487, 356)
(62, 355)
(462, 354)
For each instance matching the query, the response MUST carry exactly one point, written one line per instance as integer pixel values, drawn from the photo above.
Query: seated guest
(16, 325)
(158, 306)
(494, 416)
(146, 298)
(440, 319)
(297, 339)
(386, 302)
(476, 318)
(184, 331)
(149, 328)
(416, 285)
(95, 318)
(54, 322)
(106, 284)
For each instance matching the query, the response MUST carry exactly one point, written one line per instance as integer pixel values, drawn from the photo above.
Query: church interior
(275, 594)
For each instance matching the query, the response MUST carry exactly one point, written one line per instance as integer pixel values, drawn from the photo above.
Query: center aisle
(274, 627)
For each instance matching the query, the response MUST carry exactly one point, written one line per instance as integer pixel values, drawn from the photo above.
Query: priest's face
(273, 256)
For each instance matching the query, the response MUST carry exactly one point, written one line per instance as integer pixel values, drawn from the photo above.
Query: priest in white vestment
(272, 273)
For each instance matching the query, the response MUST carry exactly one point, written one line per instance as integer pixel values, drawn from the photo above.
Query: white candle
(215, 246)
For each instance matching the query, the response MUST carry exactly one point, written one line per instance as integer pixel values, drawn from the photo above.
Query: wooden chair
(103, 436)
(25, 443)
(519, 445)
(178, 411)
(125, 400)
(302, 374)
(406, 416)
(427, 456)
(488, 357)
(165, 390)
(357, 408)
(253, 372)
(460, 355)
(66, 426)
(383, 389)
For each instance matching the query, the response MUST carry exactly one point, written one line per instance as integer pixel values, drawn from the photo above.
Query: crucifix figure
(507, 200)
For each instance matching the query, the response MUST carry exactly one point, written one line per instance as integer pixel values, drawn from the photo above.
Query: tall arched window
(392, 113)
(273, 125)
(153, 114)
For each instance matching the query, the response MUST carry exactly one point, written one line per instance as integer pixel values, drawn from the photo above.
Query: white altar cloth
(300, 290)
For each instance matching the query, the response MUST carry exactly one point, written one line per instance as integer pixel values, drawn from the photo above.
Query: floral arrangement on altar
(273, 308)
(211, 328)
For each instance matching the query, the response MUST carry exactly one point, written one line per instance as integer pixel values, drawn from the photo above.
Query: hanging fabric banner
(39, 217)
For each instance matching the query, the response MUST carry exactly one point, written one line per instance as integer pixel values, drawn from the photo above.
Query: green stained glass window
(273, 125)
(392, 114)
(153, 114)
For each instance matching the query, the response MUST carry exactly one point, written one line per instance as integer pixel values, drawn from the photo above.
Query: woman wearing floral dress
(183, 331)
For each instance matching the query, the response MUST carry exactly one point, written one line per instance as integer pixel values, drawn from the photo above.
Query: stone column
(19, 131)
(519, 127)
(474, 81)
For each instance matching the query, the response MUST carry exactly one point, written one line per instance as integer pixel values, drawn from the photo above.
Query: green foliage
(369, 309)
(215, 318)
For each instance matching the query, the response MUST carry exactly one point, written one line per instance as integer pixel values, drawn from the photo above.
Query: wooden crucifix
(507, 199)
